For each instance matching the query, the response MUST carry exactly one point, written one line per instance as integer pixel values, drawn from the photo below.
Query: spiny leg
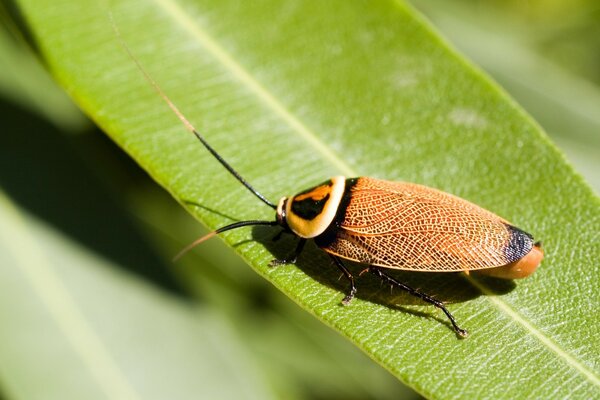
(348, 275)
(376, 271)
(293, 258)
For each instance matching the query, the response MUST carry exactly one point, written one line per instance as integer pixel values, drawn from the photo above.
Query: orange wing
(413, 227)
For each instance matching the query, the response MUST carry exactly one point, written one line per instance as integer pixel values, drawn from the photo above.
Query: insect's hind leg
(425, 297)
(349, 276)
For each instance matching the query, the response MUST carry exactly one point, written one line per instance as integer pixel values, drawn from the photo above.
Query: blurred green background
(62, 172)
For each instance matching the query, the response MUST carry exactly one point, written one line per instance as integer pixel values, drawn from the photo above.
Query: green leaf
(292, 93)
(26, 82)
(564, 104)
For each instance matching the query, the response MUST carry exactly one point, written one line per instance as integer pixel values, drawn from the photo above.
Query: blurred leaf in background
(212, 301)
(25, 82)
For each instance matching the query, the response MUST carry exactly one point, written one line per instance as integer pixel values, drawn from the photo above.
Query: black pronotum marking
(519, 244)
(310, 208)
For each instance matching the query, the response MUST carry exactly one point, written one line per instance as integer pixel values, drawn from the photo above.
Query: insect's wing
(413, 227)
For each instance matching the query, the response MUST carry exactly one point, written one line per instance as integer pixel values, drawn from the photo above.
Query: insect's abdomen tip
(528, 264)
(521, 268)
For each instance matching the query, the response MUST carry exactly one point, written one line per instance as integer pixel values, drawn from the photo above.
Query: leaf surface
(292, 93)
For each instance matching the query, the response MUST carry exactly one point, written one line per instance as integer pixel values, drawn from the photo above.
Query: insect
(396, 225)
(388, 225)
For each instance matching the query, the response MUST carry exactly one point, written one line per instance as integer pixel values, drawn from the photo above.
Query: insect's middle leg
(293, 258)
(423, 296)
(349, 276)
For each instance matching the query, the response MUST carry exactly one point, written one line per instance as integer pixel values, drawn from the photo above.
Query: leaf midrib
(256, 87)
(212, 46)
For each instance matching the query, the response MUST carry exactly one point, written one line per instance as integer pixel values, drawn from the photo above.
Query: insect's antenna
(232, 171)
(226, 228)
(188, 125)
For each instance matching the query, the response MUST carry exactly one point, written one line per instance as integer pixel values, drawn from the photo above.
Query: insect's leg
(293, 258)
(281, 232)
(278, 235)
(376, 271)
(348, 275)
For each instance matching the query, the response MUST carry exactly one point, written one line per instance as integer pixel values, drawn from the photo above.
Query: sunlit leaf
(292, 93)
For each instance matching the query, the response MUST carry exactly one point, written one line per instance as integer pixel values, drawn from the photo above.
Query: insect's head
(310, 212)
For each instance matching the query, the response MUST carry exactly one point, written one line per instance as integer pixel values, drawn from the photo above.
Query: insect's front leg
(423, 296)
(293, 258)
(349, 276)
(279, 235)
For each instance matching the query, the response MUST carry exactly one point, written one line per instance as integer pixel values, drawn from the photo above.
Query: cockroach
(388, 225)
(396, 225)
